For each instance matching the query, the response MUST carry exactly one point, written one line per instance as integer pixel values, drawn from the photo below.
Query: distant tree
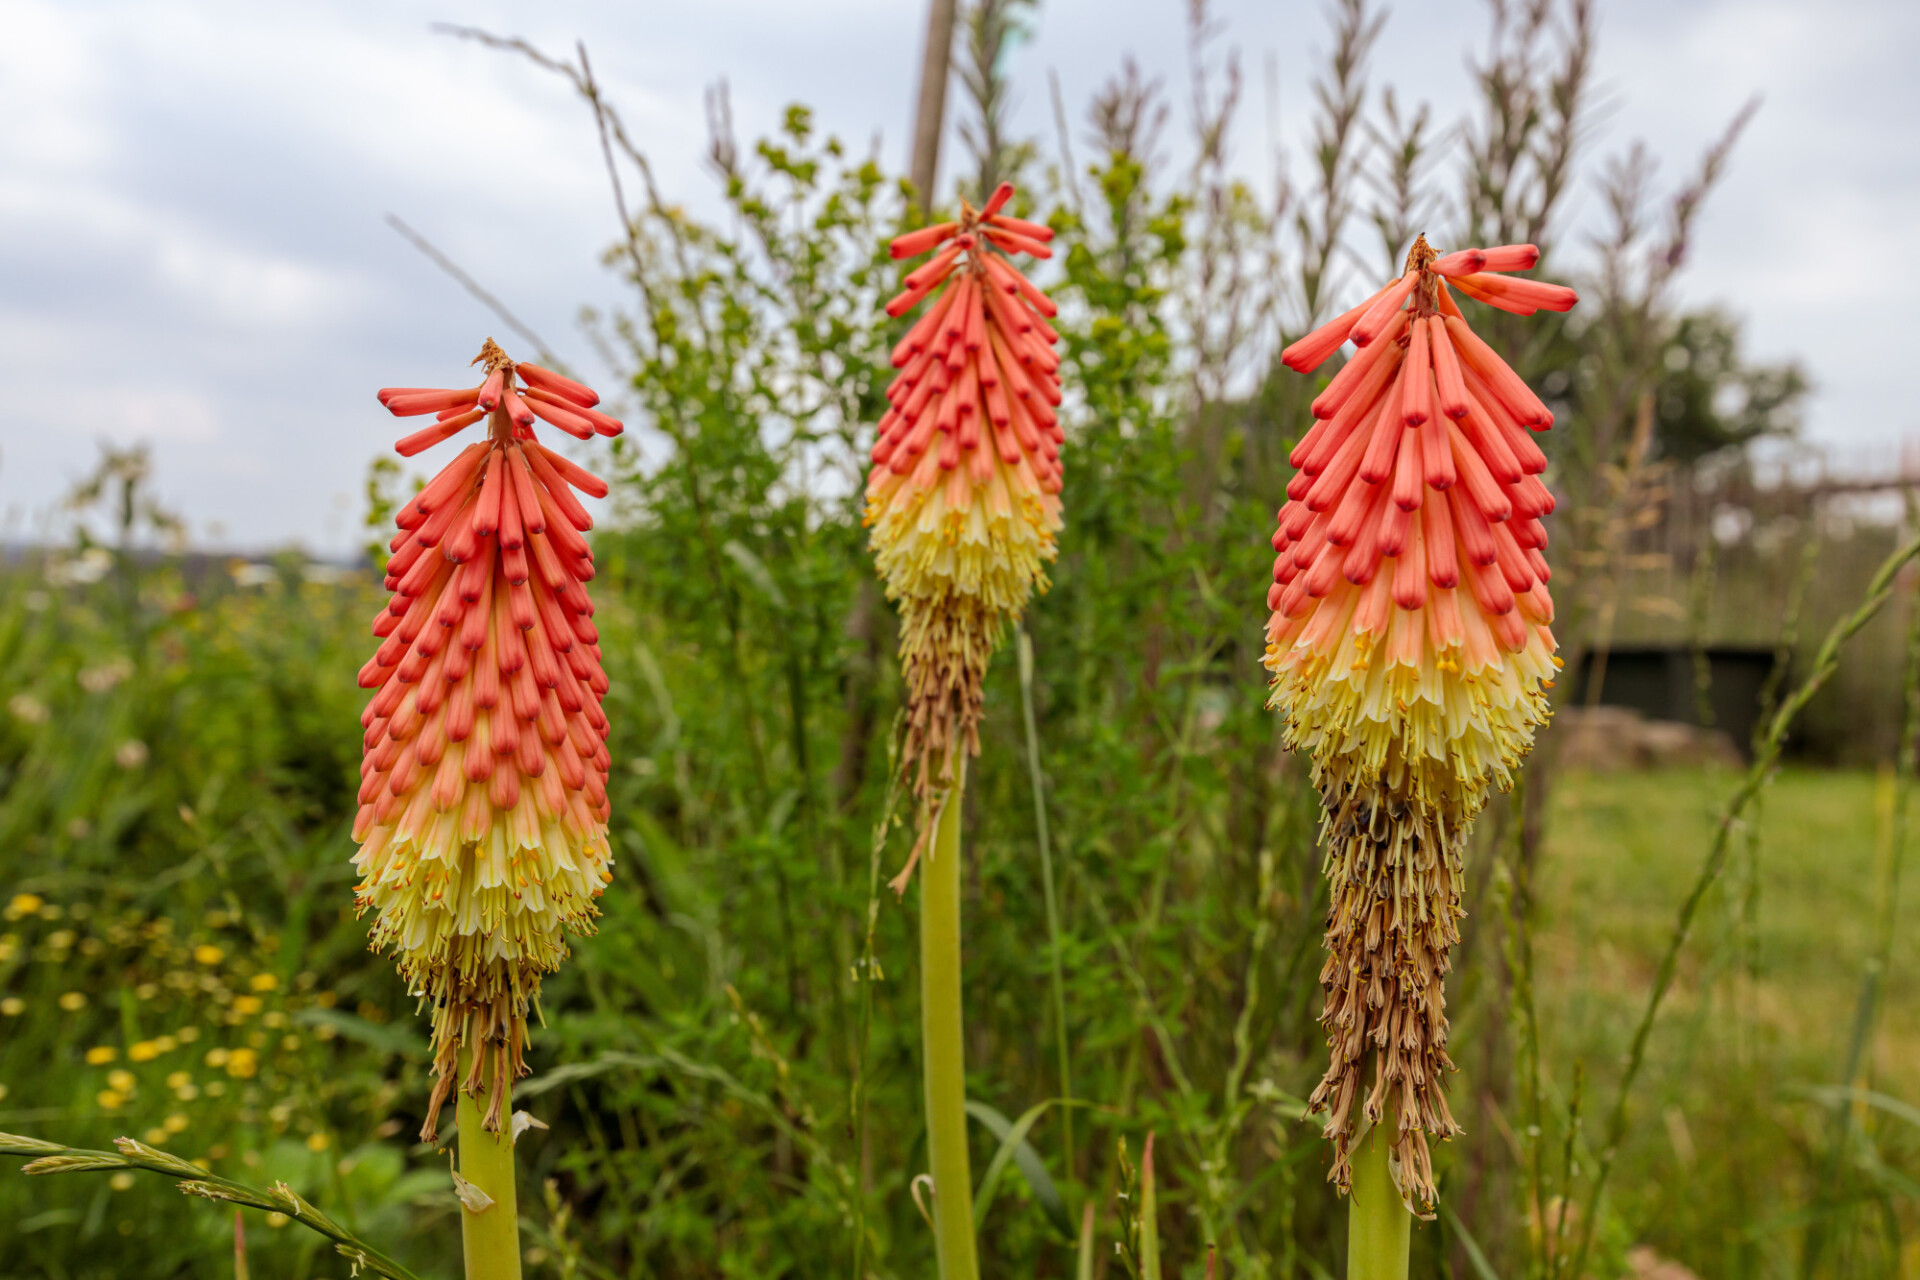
(1708, 398)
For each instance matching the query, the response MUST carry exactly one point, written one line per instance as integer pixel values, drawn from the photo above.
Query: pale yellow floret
(513, 892)
(1443, 712)
(986, 540)
(960, 554)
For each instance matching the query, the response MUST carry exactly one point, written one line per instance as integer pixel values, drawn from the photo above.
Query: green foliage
(1709, 399)
(178, 957)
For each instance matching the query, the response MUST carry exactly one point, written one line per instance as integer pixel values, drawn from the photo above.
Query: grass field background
(1765, 1009)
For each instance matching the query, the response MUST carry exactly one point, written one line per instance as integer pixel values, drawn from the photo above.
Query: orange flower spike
(482, 823)
(1409, 647)
(963, 498)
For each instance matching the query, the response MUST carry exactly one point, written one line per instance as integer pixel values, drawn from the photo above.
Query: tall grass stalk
(867, 974)
(1063, 1041)
(1149, 1217)
(943, 1043)
(1825, 662)
(1512, 893)
(53, 1157)
(490, 1235)
(1891, 802)
(1904, 763)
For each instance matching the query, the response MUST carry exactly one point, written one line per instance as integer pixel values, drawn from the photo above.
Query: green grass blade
(1015, 1149)
(1476, 1257)
(1149, 1218)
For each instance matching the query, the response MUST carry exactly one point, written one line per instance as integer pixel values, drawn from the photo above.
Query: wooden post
(928, 121)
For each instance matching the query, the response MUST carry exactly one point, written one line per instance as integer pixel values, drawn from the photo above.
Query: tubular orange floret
(1523, 297)
(1032, 230)
(446, 429)
(1310, 352)
(963, 497)
(1409, 648)
(915, 243)
(482, 825)
(1417, 405)
(1446, 370)
(1014, 241)
(1384, 310)
(547, 380)
(1506, 257)
(413, 404)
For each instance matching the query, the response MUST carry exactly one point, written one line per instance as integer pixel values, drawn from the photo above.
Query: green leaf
(1833, 1095)
(1015, 1148)
(396, 1039)
(757, 573)
(1481, 1267)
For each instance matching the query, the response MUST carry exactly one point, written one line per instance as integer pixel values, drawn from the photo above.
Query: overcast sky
(192, 194)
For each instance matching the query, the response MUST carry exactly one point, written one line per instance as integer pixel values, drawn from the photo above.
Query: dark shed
(1661, 683)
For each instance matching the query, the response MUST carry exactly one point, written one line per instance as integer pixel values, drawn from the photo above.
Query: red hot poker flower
(483, 802)
(964, 495)
(1409, 647)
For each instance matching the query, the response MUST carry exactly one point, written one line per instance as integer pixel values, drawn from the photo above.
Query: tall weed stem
(1025, 647)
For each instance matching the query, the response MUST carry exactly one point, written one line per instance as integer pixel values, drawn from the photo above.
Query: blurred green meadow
(729, 1070)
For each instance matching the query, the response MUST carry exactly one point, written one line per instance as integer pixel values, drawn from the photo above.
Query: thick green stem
(946, 1071)
(1379, 1228)
(490, 1238)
